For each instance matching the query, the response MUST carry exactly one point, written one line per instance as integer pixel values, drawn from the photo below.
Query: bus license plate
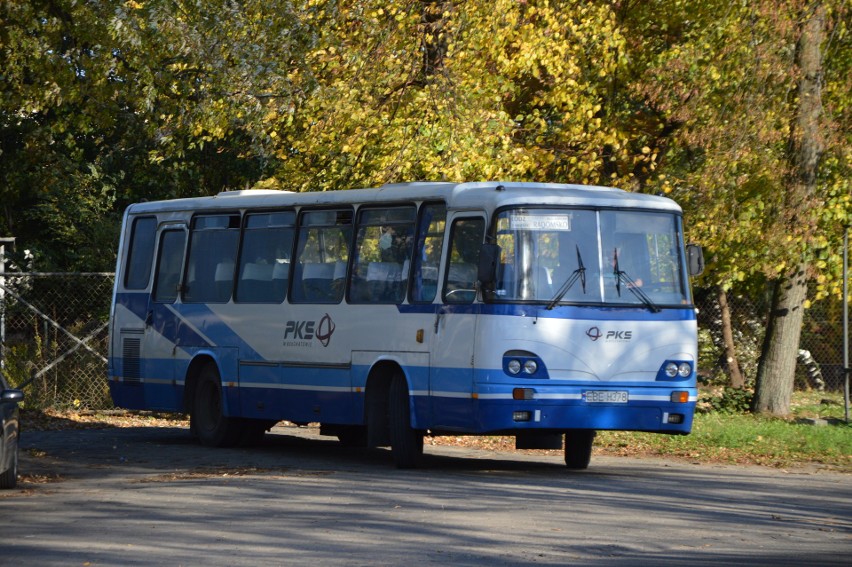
(605, 396)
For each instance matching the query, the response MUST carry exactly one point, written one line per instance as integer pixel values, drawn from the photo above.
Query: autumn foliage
(107, 103)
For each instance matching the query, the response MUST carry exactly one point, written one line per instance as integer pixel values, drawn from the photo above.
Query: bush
(731, 400)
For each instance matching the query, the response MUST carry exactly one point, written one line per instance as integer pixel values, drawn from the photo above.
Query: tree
(212, 79)
(725, 85)
(778, 361)
(444, 90)
(53, 167)
(103, 105)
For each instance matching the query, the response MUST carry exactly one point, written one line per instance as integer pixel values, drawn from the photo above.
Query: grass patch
(817, 405)
(751, 439)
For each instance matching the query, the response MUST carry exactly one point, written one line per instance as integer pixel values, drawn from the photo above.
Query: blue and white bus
(540, 311)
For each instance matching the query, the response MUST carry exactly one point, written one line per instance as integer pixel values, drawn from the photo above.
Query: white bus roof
(458, 196)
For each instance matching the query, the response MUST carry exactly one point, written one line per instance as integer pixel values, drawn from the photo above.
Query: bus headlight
(676, 370)
(523, 363)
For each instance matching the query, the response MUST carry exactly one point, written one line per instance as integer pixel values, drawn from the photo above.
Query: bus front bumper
(613, 407)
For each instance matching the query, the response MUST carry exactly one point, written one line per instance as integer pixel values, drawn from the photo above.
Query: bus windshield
(586, 256)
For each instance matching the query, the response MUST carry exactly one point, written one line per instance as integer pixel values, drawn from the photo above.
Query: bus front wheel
(578, 448)
(208, 421)
(406, 442)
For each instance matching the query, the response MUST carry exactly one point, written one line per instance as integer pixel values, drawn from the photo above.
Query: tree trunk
(776, 372)
(777, 369)
(736, 375)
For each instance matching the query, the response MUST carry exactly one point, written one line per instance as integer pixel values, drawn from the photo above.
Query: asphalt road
(150, 496)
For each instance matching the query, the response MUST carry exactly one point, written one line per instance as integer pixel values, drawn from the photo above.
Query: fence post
(846, 369)
(3, 242)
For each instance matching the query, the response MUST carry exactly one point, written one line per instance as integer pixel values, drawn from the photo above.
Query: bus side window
(322, 254)
(168, 265)
(317, 278)
(137, 270)
(212, 251)
(265, 257)
(465, 242)
(383, 248)
(427, 253)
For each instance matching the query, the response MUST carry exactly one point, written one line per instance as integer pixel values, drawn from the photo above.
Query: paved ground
(150, 496)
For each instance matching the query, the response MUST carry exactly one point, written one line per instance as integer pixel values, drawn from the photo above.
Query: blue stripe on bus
(493, 411)
(337, 396)
(185, 337)
(202, 317)
(136, 303)
(573, 312)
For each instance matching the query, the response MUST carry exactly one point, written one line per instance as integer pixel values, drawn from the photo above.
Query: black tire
(406, 443)
(578, 448)
(9, 477)
(213, 428)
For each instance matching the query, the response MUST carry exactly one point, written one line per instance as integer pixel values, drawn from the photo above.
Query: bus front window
(579, 256)
(541, 249)
(642, 260)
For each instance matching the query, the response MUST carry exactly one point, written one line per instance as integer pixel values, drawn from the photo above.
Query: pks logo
(325, 328)
(619, 336)
(595, 333)
(302, 333)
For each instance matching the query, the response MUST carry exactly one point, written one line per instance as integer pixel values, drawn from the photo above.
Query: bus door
(159, 343)
(451, 380)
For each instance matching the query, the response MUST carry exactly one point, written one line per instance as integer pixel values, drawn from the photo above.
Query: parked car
(9, 431)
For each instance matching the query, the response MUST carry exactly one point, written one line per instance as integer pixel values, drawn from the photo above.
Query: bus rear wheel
(208, 421)
(578, 448)
(406, 442)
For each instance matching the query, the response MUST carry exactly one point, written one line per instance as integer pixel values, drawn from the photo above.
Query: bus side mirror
(489, 255)
(694, 259)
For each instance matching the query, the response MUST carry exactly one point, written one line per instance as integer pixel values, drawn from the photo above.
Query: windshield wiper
(578, 274)
(621, 276)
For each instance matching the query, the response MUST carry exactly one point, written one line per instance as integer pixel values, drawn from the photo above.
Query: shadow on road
(94, 452)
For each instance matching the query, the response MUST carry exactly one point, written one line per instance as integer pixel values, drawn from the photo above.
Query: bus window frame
(132, 251)
(161, 234)
(355, 254)
(240, 251)
(298, 249)
(191, 230)
(417, 260)
(448, 256)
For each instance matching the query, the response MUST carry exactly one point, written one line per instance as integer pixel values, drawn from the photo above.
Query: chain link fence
(54, 337)
(820, 353)
(54, 341)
